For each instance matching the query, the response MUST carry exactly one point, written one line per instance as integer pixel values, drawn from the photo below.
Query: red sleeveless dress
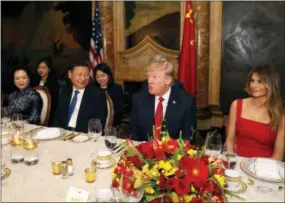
(253, 139)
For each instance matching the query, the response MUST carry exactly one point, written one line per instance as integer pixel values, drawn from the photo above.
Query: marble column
(106, 16)
(201, 17)
(216, 20)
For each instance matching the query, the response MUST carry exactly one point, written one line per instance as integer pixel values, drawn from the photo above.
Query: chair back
(110, 109)
(45, 95)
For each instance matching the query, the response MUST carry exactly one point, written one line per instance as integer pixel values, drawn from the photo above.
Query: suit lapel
(82, 105)
(172, 104)
(149, 110)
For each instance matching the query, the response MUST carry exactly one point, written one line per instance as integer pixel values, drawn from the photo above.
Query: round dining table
(37, 183)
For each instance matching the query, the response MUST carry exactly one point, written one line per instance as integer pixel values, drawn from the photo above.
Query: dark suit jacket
(53, 87)
(93, 105)
(116, 94)
(180, 115)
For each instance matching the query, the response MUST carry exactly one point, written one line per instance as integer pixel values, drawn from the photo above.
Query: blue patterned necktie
(72, 106)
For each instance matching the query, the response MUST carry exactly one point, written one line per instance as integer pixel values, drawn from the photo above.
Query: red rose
(157, 200)
(181, 187)
(184, 162)
(179, 173)
(146, 150)
(136, 161)
(171, 183)
(159, 155)
(208, 187)
(162, 182)
(196, 199)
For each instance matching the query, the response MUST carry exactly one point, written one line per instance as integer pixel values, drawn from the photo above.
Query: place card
(77, 195)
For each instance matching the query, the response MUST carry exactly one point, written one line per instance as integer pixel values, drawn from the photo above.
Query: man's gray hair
(163, 62)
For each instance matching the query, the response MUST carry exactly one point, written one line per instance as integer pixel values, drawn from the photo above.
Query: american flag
(96, 55)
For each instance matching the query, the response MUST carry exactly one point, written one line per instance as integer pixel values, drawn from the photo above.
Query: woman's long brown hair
(271, 79)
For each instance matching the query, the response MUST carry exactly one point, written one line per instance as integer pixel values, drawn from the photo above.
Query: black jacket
(180, 114)
(93, 105)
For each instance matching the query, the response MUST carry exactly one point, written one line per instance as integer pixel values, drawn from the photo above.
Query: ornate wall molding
(132, 62)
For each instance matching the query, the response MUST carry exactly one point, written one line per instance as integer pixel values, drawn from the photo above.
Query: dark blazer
(180, 115)
(53, 87)
(93, 105)
(117, 96)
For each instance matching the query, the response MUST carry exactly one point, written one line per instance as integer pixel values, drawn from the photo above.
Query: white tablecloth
(38, 184)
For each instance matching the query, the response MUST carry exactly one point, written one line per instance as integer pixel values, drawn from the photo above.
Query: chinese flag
(187, 59)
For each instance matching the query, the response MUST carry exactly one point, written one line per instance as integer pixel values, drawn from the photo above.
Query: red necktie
(158, 118)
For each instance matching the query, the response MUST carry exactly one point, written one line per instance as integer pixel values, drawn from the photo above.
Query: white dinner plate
(264, 169)
(49, 133)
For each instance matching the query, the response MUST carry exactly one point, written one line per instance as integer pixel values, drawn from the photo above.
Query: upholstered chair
(45, 95)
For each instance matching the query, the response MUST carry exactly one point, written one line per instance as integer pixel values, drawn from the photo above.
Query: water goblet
(94, 129)
(213, 143)
(110, 137)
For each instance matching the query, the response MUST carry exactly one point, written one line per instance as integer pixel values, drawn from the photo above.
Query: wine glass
(229, 157)
(111, 137)
(197, 140)
(17, 118)
(213, 143)
(94, 129)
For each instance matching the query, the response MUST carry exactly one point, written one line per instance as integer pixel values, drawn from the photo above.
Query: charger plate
(249, 167)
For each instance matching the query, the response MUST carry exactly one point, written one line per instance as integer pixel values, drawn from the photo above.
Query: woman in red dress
(256, 124)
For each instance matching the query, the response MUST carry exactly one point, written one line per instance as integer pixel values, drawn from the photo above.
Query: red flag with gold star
(187, 58)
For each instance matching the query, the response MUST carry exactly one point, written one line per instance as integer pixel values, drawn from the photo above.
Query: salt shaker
(64, 171)
(69, 167)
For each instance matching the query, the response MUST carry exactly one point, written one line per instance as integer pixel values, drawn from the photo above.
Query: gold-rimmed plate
(103, 164)
(49, 133)
(249, 167)
(81, 138)
(5, 173)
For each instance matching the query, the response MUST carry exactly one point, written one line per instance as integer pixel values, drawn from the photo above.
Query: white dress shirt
(164, 103)
(73, 119)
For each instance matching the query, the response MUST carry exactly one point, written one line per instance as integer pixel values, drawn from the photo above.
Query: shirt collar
(165, 96)
(80, 91)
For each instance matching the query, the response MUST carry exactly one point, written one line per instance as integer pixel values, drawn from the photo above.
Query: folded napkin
(48, 133)
(267, 168)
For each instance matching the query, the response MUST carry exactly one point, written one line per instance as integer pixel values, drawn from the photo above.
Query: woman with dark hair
(24, 100)
(47, 78)
(114, 95)
(256, 124)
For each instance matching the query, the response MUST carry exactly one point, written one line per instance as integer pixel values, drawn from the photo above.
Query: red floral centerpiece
(169, 170)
